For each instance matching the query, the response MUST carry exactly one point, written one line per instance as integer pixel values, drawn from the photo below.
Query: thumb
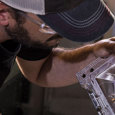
(101, 52)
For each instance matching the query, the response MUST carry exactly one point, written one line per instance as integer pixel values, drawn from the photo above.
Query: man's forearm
(61, 67)
(74, 55)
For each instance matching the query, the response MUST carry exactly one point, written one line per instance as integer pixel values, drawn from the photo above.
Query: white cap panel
(33, 6)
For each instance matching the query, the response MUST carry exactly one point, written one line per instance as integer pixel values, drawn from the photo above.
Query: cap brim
(87, 22)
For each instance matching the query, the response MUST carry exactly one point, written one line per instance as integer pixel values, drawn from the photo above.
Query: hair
(73, 55)
(16, 14)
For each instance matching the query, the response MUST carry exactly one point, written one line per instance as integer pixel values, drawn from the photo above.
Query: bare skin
(60, 68)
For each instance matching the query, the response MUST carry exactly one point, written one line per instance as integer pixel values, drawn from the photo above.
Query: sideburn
(20, 34)
(17, 33)
(16, 15)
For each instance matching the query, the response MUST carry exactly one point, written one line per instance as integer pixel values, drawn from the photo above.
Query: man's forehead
(42, 6)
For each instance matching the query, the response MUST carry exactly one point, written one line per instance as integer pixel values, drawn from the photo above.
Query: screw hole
(83, 75)
(91, 70)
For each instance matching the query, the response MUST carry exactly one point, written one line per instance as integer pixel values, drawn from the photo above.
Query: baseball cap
(81, 21)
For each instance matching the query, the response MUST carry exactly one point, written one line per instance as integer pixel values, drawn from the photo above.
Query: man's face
(27, 32)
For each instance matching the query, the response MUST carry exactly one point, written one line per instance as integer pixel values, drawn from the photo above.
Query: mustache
(57, 36)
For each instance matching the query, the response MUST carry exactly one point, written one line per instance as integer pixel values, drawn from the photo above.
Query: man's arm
(60, 68)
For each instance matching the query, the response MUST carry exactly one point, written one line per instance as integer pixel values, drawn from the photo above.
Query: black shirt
(10, 49)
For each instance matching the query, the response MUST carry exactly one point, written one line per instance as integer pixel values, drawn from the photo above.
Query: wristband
(32, 53)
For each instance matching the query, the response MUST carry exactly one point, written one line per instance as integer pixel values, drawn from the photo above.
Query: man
(40, 64)
(37, 60)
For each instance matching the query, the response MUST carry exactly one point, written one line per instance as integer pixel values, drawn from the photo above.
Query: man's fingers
(104, 48)
(112, 39)
(102, 52)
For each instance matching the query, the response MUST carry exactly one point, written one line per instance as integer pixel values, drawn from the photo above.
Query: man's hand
(60, 68)
(104, 48)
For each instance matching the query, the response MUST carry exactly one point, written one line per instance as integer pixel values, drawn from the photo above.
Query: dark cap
(86, 22)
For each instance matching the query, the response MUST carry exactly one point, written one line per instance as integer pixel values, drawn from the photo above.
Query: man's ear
(4, 18)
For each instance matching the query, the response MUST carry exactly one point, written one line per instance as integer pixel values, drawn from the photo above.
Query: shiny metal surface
(107, 83)
(98, 78)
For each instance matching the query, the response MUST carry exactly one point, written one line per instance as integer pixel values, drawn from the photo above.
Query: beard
(18, 33)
